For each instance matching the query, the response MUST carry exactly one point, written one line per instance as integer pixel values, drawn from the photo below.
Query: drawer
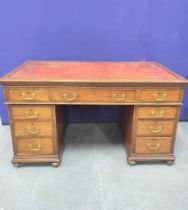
(97, 95)
(160, 96)
(27, 95)
(153, 145)
(157, 112)
(22, 112)
(155, 128)
(32, 129)
(34, 146)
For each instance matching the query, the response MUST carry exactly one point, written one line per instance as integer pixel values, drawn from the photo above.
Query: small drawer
(32, 129)
(160, 96)
(27, 95)
(21, 112)
(155, 128)
(153, 145)
(157, 112)
(34, 146)
(90, 95)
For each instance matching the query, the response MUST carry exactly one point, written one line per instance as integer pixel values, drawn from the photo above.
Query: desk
(149, 93)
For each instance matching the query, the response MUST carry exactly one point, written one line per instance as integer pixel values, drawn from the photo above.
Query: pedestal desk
(150, 96)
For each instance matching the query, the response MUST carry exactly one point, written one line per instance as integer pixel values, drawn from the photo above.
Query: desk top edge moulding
(150, 96)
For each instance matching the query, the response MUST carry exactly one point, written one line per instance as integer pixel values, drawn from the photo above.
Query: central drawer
(33, 129)
(93, 95)
(155, 127)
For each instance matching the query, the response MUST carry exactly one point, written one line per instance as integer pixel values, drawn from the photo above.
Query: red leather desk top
(91, 71)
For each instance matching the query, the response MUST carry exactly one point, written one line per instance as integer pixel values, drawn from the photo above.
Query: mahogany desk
(150, 94)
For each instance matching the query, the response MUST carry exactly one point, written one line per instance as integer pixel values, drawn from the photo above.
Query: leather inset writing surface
(52, 70)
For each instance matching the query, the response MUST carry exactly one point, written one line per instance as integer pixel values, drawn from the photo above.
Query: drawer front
(155, 128)
(157, 112)
(97, 95)
(32, 129)
(34, 146)
(153, 145)
(27, 95)
(20, 112)
(160, 96)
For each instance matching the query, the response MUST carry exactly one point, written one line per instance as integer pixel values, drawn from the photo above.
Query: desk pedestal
(149, 132)
(37, 132)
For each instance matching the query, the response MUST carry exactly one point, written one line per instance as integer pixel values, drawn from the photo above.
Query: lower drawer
(153, 145)
(34, 146)
(157, 112)
(155, 127)
(33, 129)
(28, 112)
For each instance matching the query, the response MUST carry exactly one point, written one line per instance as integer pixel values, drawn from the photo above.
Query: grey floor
(94, 175)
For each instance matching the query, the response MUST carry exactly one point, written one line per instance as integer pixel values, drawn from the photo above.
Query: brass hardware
(123, 96)
(31, 115)
(38, 148)
(158, 130)
(31, 96)
(74, 96)
(32, 131)
(153, 146)
(154, 114)
(159, 96)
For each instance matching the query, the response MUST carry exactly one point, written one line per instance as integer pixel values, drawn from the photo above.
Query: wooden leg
(55, 165)
(131, 162)
(170, 162)
(17, 165)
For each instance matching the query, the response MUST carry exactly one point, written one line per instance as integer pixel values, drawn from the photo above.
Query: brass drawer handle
(159, 96)
(33, 130)
(31, 115)
(38, 148)
(153, 146)
(28, 98)
(154, 114)
(157, 130)
(74, 96)
(123, 97)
